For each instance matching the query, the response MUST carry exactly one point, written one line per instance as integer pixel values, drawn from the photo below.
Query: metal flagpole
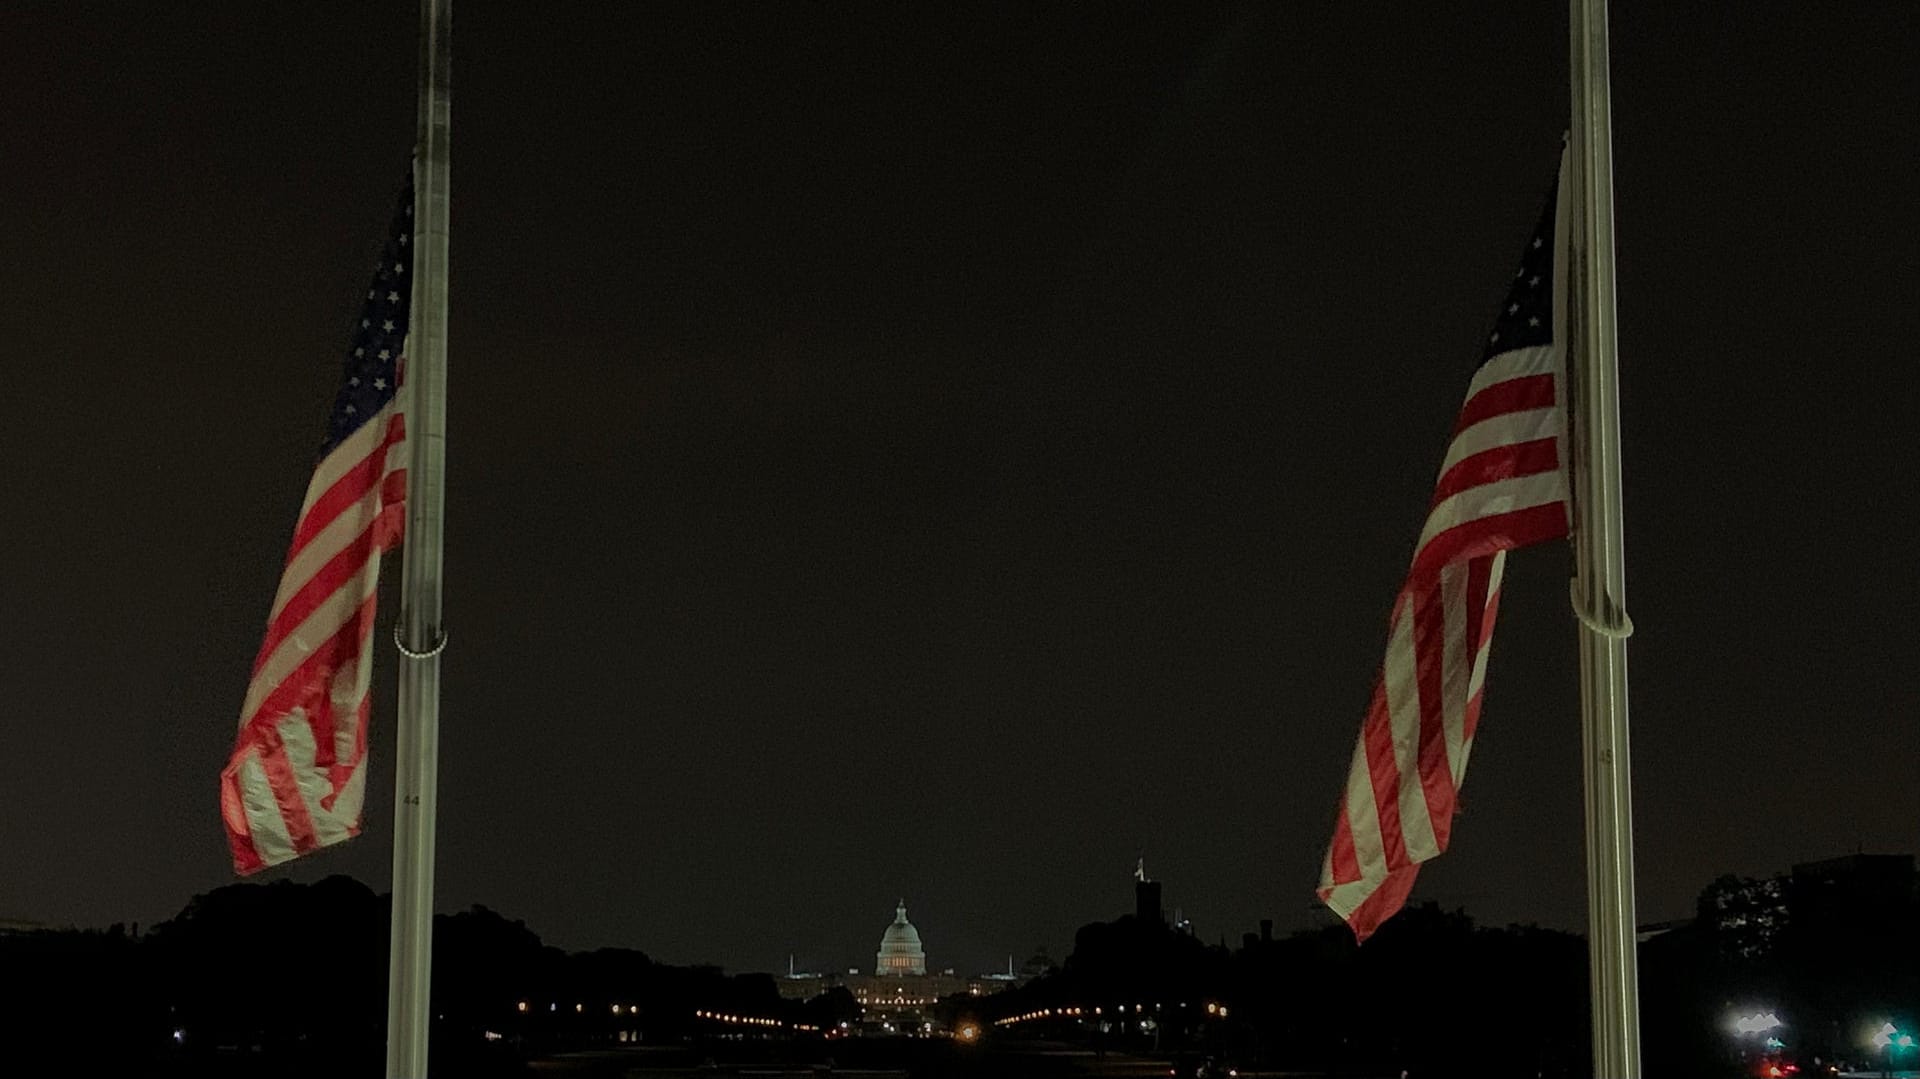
(419, 633)
(1599, 589)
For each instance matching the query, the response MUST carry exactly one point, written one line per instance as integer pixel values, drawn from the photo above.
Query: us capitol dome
(900, 951)
(896, 996)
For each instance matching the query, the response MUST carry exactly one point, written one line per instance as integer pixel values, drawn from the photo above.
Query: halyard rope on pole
(1619, 630)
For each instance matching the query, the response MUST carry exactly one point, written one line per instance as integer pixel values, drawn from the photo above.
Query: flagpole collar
(439, 644)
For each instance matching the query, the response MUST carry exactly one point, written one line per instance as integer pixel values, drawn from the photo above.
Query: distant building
(1647, 931)
(1813, 905)
(900, 983)
(1846, 888)
(1146, 896)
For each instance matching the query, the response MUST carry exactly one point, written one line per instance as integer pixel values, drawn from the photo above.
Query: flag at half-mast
(297, 776)
(1502, 485)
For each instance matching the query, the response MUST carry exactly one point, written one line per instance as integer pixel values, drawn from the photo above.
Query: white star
(359, 352)
(1534, 280)
(1536, 241)
(385, 355)
(1512, 308)
(388, 324)
(399, 267)
(403, 239)
(1535, 321)
(379, 383)
(354, 381)
(1494, 339)
(349, 410)
(393, 297)
(371, 293)
(364, 324)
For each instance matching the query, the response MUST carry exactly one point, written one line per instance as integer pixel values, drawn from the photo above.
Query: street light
(1757, 1026)
(1889, 1039)
(1757, 1023)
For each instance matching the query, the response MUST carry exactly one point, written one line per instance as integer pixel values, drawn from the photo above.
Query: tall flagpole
(419, 633)
(1599, 589)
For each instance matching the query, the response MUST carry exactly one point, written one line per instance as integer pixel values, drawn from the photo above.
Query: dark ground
(869, 1059)
(875, 1058)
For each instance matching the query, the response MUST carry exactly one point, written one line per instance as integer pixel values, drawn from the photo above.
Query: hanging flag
(1502, 485)
(297, 777)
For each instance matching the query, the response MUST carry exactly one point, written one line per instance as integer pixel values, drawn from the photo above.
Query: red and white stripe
(297, 777)
(1502, 485)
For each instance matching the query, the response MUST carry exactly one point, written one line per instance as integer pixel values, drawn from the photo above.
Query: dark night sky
(949, 453)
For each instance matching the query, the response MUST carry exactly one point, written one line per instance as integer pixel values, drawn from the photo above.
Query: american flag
(297, 777)
(1502, 485)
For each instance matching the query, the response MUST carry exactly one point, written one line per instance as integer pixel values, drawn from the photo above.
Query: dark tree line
(291, 979)
(1827, 949)
(288, 979)
(1430, 994)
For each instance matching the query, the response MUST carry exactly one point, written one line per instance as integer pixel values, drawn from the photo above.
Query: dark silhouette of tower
(1146, 896)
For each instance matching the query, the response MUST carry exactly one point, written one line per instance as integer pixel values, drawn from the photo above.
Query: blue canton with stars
(373, 359)
(1526, 316)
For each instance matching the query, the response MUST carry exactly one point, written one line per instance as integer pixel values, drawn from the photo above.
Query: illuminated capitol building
(900, 981)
